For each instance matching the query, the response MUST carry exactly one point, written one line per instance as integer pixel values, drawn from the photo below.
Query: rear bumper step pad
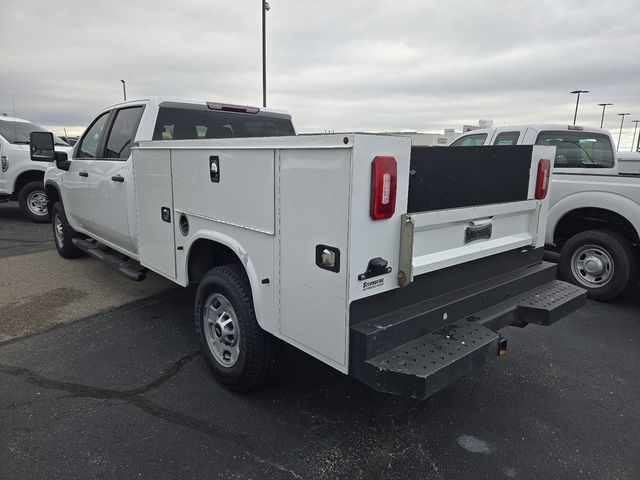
(544, 305)
(431, 362)
(421, 367)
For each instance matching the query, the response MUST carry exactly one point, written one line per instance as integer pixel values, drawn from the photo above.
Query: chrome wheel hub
(37, 203)
(221, 330)
(592, 266)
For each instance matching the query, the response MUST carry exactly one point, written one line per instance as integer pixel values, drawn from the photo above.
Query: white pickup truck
(320, 241)
(20, 178)
(594, 214)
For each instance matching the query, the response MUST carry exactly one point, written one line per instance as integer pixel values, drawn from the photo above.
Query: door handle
(118, 178)
(83, 174)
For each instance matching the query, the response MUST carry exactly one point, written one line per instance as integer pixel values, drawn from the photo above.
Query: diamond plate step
(551, 302)
(439, 357)
(426, 363)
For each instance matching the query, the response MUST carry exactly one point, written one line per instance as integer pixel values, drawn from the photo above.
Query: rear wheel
(33, 202)
(602, 262)
(63, 233)
(240, 354)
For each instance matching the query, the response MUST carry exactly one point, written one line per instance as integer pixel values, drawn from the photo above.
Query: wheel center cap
(217, 330)
(593, 266)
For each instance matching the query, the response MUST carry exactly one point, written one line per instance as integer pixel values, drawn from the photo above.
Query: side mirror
(41, 147)
(62, 161)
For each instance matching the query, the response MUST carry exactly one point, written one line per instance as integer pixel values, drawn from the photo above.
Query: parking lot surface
(39, 289)
(125, 394)
(18, 235)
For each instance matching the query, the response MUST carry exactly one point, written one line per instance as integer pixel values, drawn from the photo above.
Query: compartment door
(154, 197)
(314, 206)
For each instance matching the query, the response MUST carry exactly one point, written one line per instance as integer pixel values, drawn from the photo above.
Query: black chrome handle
(118, 178)
(83, 174)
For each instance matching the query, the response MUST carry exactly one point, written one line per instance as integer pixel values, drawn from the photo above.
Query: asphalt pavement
(40, 290)
(18, 235)
(125, 394)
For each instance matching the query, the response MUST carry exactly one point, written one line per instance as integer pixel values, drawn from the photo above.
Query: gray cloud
(336, 65)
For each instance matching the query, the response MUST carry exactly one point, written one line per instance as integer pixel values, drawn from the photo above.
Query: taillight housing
(384, 181)
(542, 183)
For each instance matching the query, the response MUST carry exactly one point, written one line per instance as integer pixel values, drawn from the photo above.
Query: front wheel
(63, 233)
(240, 354)
(602, 262)
(33, 202)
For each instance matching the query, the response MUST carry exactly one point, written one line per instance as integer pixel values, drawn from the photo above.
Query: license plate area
(478, 231)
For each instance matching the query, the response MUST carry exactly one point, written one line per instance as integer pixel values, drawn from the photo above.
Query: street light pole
(621, 123)
(575, 115)
(634, 133)
(264, 5)
(124, 90)
(603, 105)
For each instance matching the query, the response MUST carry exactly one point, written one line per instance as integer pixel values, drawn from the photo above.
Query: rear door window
(475, 140)
(122, 132)
(579, 149)
(507, 138)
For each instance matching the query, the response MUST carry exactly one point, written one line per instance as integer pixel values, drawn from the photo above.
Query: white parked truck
(594, 213)
(21, 178)
(320, 241)
(629, 163)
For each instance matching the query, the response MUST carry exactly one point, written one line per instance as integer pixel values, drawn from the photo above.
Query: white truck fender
(603, 200)
(245, 260)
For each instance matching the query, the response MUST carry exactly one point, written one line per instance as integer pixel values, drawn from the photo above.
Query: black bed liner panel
(455, 177)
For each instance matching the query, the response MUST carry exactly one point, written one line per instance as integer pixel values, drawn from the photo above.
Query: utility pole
(603, 105)
(621, 123)
(575, 115)
(264, 5)
(634, 133)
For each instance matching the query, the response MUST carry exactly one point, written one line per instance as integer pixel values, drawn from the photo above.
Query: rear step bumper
(428, 363)
(124, 265)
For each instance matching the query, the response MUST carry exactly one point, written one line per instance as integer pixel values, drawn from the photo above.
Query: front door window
(91, 141)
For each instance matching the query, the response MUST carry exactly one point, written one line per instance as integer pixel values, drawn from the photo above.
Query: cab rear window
(507, 138)
(187, 124)
(579, 149)
(475, 140)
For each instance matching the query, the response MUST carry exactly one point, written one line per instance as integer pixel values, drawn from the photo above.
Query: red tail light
(384, 180)
(542, 184)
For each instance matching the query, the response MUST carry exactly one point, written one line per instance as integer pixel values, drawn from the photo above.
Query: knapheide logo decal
(372, 284)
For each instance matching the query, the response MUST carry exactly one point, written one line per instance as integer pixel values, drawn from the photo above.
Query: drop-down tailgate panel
(440, 239)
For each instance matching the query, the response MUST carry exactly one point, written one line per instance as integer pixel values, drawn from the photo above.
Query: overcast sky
(344, 65)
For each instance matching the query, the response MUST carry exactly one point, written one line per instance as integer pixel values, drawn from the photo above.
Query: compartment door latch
(376, 267)
(214, 168)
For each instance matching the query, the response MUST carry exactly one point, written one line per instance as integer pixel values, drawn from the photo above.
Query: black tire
(609, 248)
(62, 239)
(33, 202)
(257, 359)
